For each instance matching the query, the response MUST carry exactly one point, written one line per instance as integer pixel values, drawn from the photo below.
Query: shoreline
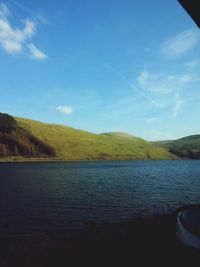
(52, 160)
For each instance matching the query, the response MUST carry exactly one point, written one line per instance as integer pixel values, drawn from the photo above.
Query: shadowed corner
(144, 242)
(192, 8)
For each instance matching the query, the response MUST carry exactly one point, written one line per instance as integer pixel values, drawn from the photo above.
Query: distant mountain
(186, 147)
(162, 142)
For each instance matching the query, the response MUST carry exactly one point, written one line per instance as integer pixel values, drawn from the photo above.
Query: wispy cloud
(143, 78)
(178, 105)
(25, 8)
(65, 109)
(36, 53)
(162, 84)
(4, 11)
(151, 120)
(181, 43)
(14, 40)
(21, 6)
(139, 91)
(165, 89)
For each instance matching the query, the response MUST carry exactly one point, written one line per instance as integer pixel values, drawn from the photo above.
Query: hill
(122, 135)
(73, 144)
(186, 147)
(161, 142)
(17, 141)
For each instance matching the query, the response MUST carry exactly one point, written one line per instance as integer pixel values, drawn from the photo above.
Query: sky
(102, 66)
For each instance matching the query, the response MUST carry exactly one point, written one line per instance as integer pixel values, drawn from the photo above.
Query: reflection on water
(62, 196)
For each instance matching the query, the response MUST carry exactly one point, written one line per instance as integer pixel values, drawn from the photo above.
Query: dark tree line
(21, 143)
(16, 141)
(186, 153)
(7, 123)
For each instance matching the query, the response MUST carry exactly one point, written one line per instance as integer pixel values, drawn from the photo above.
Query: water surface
(63, 196)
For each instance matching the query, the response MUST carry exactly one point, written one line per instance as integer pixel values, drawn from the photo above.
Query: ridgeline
(187, 147)
(28, 139)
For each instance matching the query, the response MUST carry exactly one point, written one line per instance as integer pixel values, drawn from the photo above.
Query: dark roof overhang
(193, 9)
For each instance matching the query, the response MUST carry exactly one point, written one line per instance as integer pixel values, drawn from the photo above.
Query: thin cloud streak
(139, 91)
(35, 53)
(166, 88)
(181, 43)
(160, 84)
(151, 120)
(178, 105)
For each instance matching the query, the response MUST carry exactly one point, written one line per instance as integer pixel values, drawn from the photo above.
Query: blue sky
(129, 66)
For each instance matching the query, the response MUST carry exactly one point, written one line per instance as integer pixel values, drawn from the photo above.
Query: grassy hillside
(161, 143)
(186, 147)
(17, 141)
(123, 135)
(73, 144)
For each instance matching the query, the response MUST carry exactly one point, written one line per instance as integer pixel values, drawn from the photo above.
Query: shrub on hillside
(7, 123)
(16, 141)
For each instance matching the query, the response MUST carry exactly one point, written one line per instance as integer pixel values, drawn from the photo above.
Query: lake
(37, 197)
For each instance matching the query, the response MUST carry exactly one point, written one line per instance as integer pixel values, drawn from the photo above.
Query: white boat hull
(185, 235)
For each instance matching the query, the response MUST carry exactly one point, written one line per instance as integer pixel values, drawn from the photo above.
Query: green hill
(161, 143)
(34, 139)
(73, 144)
(186, 147)
(17, 141)
(122, 135)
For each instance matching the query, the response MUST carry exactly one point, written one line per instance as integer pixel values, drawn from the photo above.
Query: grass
(186, 147)
(73, 144)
